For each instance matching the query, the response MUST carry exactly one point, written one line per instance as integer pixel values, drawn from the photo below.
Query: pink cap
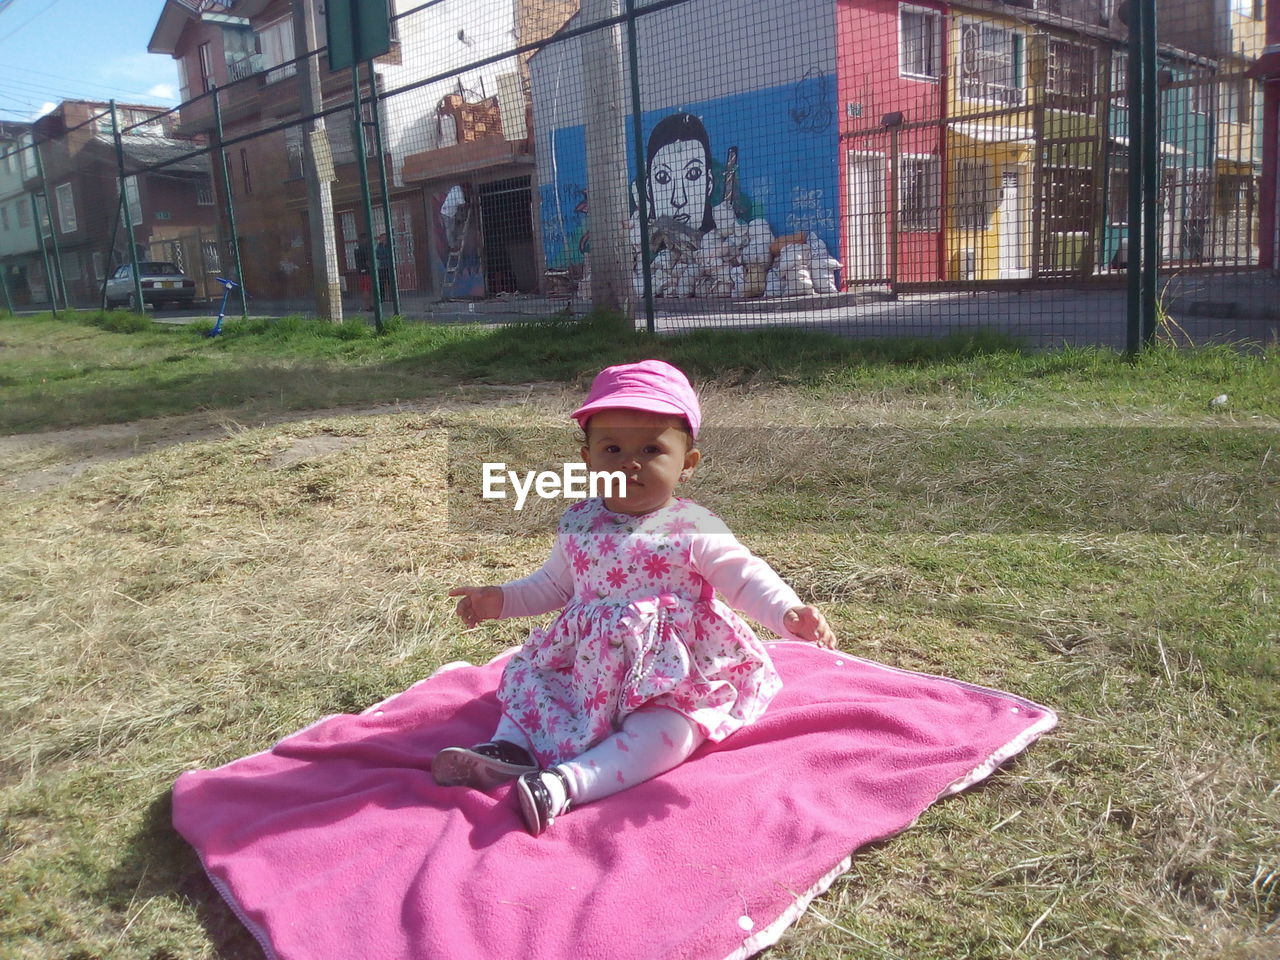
(653, 386)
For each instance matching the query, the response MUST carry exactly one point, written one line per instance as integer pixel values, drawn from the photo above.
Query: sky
(55, 50)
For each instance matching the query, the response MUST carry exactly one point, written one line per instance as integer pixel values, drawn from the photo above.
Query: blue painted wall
(786, 139)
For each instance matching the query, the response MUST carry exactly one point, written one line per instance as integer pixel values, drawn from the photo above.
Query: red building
(890, 70)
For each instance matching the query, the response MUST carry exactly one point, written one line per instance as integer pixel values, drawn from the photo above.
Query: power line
(34, 16)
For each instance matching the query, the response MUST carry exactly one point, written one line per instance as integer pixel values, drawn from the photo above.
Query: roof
(144, 151)
(177, 14)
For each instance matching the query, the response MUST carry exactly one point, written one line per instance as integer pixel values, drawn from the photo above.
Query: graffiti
(809, 214)
(564, 223)
(812, 107)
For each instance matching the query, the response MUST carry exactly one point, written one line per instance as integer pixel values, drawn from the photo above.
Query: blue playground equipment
(227, 287)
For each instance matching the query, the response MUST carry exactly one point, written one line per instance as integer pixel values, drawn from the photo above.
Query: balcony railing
(244, 67)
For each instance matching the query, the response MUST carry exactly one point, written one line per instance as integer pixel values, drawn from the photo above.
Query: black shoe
(544, 795)
(483, 766)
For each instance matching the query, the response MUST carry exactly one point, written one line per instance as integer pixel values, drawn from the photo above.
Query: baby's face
(649, 449)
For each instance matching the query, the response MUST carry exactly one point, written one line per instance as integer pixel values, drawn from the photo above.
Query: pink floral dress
(641, 626)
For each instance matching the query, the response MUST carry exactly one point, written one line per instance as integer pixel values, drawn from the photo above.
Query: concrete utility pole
(607, 209)
(319, 167)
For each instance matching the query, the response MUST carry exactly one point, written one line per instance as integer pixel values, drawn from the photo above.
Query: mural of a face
(680, 182)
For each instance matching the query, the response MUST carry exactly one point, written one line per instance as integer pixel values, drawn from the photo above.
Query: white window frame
(28, 158)
(935, 55)
(928, 219)
(204, 59)
(1013, 96)
(133, 198)
(66, 197)
(276, 43)
(1057, 71)
(1200, 93)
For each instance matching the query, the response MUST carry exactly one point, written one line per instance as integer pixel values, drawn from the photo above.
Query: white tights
(650, 743)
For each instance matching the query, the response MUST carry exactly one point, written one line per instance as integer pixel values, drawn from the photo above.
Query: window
(71, 266)
(1202, 92)
(204, 192)
(1067, 193)
(919, 42)
(209, 250)
(973, 194)
(294, 150)
(1120, 79)
(990, 63)
(369, 130)
(24, 215)
(134, 199)
(28, 159)
(1070, 70)
(4, 219)
(244, 172)
(97, 265)
(1118, 189)
(66, 208)
(918, 183)
(206, 68)
(1236, 100)
(276, 46)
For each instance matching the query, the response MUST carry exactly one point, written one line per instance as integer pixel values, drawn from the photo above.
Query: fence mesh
(871, 167)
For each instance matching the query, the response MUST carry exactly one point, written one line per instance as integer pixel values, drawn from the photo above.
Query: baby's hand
(808, 623)
(478, 603)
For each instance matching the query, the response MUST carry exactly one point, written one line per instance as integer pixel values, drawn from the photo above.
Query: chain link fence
(861, 166)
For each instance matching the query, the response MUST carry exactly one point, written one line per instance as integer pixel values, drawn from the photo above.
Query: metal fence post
(1133, 239)
(128, 217)
(4, 285)
(641, 181)
(1150, 171)
(358, 138)
(44, 253)
(61, 286)
(386, 197)
(226, 192)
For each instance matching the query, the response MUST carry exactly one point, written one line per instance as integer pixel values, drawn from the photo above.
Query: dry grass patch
(192, 604)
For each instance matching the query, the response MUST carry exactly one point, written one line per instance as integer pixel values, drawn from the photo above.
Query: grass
(114, 367)
(1076, 529)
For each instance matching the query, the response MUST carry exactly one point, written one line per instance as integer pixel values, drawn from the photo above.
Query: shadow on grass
(289, 365)
(157, 863)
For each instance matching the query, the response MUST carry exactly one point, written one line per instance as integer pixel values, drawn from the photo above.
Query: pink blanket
(337, 844)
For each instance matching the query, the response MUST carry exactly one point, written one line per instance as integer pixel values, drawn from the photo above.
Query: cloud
(163, 91)
(45, 107)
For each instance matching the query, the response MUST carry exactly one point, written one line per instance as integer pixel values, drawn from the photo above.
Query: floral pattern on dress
(642, 629)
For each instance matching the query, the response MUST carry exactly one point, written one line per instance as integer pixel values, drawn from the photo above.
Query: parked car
(162, 282)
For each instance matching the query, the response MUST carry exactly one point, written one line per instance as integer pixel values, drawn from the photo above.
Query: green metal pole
(1133, 261)
(364, 190)
(61, 286)
(1151, 171)
(44, 254)
(386, 197)
(231, 207)
(128, 217)
(642, 181)
(4, 284)
(115, 232)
